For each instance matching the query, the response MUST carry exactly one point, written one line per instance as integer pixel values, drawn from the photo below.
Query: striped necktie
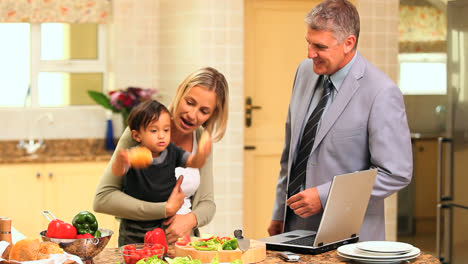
(299, 167)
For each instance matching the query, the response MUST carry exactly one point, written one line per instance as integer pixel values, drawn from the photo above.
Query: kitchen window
(51, 64)
(423, 73)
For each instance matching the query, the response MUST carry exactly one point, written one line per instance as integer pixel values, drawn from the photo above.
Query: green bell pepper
(85, 222)
(230, 244)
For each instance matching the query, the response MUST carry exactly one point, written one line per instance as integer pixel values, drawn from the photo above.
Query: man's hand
(176, 199)
(179, 226)
(305, 203)
(275, 228)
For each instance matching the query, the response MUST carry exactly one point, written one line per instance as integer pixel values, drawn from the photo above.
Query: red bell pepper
(59, 229)
(157, 236)
(87, 235)
(206, 239)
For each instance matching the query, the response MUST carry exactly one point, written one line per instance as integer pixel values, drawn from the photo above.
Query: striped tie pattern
(298, 169)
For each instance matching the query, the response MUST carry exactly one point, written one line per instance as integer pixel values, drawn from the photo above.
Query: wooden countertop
(112, 256)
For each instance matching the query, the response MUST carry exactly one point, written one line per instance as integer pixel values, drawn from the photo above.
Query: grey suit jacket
(365, 127)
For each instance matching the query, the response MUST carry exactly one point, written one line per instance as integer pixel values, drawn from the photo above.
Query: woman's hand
(121, 163)
(179, 226)
(204, 147)
(198, 159)
(176, 199)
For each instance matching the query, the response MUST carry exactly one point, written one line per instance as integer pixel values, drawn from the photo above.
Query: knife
(243, 243)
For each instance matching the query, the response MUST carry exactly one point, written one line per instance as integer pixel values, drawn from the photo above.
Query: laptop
(341, 219)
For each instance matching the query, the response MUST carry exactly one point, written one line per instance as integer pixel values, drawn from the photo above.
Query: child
(150, 124)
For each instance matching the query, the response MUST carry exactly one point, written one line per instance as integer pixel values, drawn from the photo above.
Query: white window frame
(420, 58)
(38, 65)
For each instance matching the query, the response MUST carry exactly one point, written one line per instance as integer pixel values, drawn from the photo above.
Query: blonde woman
(200, 103)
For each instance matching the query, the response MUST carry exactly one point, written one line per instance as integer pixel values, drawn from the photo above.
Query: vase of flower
(122, 101)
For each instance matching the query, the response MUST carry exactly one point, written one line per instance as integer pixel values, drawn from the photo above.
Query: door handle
(248, 110)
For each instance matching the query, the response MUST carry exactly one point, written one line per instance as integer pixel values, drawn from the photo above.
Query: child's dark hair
(144, 113)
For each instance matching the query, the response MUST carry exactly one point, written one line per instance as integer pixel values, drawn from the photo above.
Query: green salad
(215, 243)
(189, 260)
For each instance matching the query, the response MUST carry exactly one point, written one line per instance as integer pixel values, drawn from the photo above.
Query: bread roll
(30, 249)
(140, 157)
(50, 248)
(25, 250)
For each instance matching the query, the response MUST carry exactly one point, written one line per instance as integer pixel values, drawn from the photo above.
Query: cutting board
(256, 253)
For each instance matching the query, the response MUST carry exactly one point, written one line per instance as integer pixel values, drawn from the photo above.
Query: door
(274, 46)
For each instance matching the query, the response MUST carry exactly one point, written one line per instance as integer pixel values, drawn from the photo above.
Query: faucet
(32, 145)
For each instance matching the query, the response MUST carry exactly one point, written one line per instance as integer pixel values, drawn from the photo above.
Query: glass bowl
(132, 253)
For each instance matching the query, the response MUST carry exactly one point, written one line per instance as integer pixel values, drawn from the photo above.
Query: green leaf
(215, 259)
(101, 99)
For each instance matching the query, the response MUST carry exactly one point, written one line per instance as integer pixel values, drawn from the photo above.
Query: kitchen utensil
(5, 235)
(243, 243)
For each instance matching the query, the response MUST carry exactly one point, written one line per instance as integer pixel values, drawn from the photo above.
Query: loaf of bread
(140, 157)
(29, 249)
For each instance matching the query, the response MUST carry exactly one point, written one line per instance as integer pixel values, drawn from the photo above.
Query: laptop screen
(345, 207)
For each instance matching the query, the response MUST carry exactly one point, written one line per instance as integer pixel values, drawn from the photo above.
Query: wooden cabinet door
(71, 189)
(23, 192)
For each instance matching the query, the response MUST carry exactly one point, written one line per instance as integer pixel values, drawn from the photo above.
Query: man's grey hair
(338, 16)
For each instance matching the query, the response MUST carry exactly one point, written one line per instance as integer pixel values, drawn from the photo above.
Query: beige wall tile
(379, 44)
(158, 43)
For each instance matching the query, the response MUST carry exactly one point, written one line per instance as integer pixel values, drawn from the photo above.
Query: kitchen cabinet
(425, 184)
(62, 188)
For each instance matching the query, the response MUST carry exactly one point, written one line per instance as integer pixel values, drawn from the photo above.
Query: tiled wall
(378, 42)
(134, 44)
(158, 43)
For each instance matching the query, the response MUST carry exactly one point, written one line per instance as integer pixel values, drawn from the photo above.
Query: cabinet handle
(51, 174)
(38, 175)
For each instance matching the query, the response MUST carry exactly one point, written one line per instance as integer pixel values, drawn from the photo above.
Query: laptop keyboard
(303, 241)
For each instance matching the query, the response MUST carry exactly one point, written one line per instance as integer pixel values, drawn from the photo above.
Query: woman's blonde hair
(212, 80)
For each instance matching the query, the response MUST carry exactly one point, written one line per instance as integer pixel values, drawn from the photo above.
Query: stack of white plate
(379, 252)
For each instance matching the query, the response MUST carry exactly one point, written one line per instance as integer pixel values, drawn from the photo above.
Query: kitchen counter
(56, 150)
(112, 256)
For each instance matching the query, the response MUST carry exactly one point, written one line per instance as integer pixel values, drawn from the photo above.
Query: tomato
(134, 258)
(146, 252)
(157, 252)
(183, 241)
(130, 247)
(157, 246)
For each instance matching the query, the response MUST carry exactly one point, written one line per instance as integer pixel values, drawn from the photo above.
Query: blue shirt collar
(338, 77)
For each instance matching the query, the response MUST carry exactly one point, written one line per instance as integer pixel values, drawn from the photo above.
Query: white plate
(376, 261)
(385, 246)
(353, 251)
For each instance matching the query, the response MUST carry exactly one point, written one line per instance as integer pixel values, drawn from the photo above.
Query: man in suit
(344, 115)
